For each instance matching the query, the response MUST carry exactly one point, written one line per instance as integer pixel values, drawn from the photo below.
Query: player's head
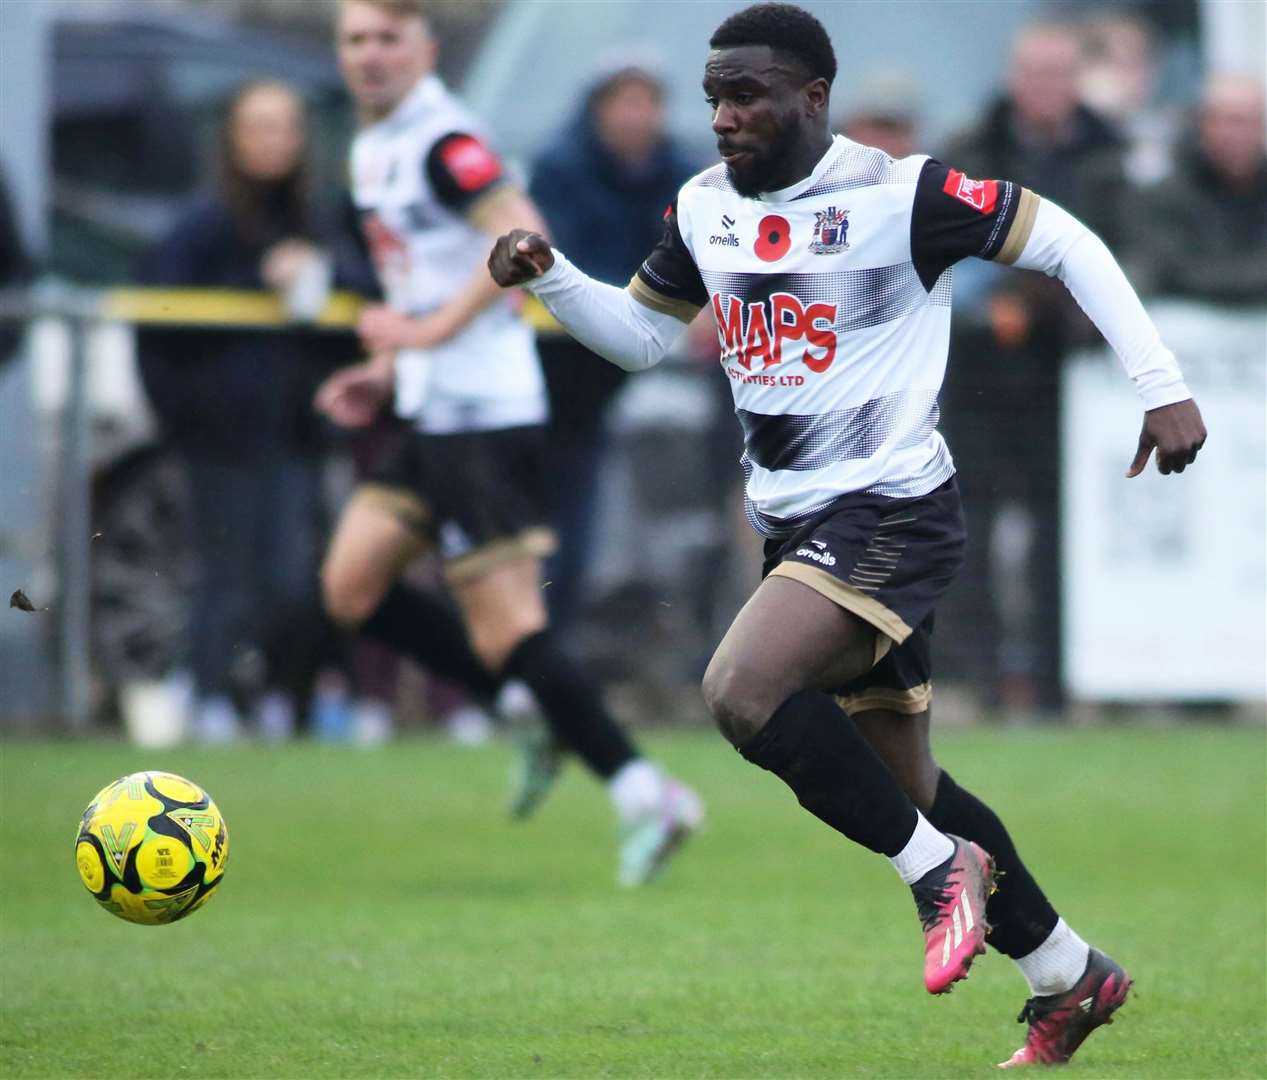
(384, 47)
(768, 80)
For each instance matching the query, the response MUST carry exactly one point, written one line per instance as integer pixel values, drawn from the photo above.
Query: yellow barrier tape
(220, 307)
(249, 309)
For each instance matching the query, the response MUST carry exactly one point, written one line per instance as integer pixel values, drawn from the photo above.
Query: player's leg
(1063, 972)
(766, 688)
(499, 591)
(375, 539)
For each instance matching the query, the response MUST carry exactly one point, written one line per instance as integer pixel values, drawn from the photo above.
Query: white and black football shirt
(832, 302)
(418, 176)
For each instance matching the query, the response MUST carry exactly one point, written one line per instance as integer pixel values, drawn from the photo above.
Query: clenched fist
(519, 256)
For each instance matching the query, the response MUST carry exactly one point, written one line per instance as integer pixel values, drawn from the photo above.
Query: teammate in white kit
(827, 268)
(468, 479)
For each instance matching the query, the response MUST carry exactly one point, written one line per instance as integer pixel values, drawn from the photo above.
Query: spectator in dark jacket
(1202, 234)
(603, 186)
(1040, 135)
(236, 406)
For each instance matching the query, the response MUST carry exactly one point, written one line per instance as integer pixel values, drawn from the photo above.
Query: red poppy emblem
(774, 238)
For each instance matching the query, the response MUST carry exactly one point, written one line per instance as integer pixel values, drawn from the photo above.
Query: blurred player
(833, 309)
(468, 480)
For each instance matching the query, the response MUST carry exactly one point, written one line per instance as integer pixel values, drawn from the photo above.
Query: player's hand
(1176, 432)
(353, 396)
(519, 256)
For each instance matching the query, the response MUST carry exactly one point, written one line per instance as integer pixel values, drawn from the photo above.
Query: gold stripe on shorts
(648, 297)
(907, 702)
(851, 599)
(1022, 226)
(535, 543)
(404, 505)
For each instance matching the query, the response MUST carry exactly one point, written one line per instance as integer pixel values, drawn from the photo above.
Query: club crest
(830, 227)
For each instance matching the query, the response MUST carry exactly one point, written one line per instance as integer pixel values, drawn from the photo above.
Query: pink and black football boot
(951, 900)
(1059, 1023)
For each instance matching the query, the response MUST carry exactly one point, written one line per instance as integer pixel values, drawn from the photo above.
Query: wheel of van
(142, 568)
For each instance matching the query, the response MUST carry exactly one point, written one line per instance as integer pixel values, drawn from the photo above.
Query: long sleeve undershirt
(610, 322)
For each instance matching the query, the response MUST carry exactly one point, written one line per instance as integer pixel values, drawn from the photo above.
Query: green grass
(380, 918)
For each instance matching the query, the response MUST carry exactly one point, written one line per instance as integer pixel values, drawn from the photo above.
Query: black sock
(814, 748)
(427, 629)
(1022, 917)
(571, 703)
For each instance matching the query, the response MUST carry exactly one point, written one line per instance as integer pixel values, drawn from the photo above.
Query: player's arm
(631, 327)
(469, 179)
(956, 217)
(1060, 246)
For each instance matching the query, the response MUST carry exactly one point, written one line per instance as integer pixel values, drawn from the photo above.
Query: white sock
(925, 849)
(635, 789)
(1057, 963)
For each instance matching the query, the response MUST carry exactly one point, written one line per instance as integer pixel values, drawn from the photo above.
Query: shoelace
(929, 899)
(1035, 1011)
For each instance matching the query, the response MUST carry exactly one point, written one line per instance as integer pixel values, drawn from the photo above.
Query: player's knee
(346, 597)
(739, 700)
(495, 641)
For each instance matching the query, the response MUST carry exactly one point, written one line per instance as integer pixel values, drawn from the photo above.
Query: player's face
(382, 56)
(757, 105)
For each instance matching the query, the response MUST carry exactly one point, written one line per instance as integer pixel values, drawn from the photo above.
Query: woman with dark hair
(234, 404)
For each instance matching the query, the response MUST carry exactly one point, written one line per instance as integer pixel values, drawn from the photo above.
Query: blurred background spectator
(1120, 82)
(884, 112)
(603, 185)
(123, 101)
(1010, 338)
(1202, 234)
(236, 406)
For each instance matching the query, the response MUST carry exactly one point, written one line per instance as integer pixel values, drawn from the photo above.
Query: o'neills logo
(729, 240)
(823, 558)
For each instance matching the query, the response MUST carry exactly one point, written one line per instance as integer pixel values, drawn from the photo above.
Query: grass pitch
(380, 917)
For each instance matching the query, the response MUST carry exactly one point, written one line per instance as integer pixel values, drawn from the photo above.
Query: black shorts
(476, 497)
(888, 561)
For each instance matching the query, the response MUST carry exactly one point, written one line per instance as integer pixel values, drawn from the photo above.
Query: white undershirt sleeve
(1061, 246)
(605, 319)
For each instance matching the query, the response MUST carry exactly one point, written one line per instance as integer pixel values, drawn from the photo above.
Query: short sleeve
(461, 169)
(956, 217)
(668, 280)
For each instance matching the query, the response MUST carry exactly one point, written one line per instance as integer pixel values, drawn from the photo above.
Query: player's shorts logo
(830, 227)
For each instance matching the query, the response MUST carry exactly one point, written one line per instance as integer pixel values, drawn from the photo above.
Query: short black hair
(785, 28)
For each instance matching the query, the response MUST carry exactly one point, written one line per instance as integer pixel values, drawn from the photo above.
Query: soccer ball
(151, 847)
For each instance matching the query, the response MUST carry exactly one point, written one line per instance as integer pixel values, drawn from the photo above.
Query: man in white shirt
(468, 479)
(827, 268)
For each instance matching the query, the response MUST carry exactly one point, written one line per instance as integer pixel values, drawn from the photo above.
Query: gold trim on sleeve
(859, 603)
(683, 310)
(1022, 226)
